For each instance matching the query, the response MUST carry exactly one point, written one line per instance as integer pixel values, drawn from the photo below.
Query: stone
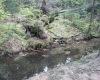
(67, 52)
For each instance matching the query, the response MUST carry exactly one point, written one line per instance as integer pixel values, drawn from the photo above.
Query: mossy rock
(36, 29)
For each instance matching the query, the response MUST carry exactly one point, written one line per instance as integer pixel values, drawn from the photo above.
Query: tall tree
(92, 12)
(44, 7)
(99, 11)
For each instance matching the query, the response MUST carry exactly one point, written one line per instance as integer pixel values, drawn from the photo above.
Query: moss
(27, 36)
(6, 50)
(38, 45)
(47, 44)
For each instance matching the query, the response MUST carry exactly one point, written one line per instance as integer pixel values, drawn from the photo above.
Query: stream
(31, 65)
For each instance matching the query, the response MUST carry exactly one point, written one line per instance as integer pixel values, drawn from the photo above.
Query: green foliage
(30, 12)
(66, 22)
(95, 23)
(53, 14)
(37, 12)
(9, 30)
(38, 45)
(94, 28)
(76, 2)
(70, 15)
(67, 3)
(12, 6)
(73, 2)
(2, 12)
(25, 1)
(27, 36)
(47, 44)
(26, 11)
(38, 23)
(81, 24)
(84, 26)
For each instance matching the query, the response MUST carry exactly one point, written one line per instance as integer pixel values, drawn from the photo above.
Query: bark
(92, 11)
(99, 17)
(44, 7)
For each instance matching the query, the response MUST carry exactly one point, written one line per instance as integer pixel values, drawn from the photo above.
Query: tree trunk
(43, 7)
(89, 36)
(99, 16)
(92, 12)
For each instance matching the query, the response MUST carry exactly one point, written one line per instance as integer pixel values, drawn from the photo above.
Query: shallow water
(32, 65)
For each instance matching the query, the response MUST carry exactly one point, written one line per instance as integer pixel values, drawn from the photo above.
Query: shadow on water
(32, 65)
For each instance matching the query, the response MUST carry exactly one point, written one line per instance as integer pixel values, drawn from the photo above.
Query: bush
(71, 15)
(30, 12)
(2, 12)
(37, 12)
(38, 23)
(86, 28)
(27, 12)
(9, 30)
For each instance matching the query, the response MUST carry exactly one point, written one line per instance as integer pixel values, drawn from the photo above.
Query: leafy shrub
(37, 23)
(27, 36)
(37, 12)
(26, 11)
(30, 12)
(9, 30)
(94, 28)
(66, 22)
(71, 15)
(81, 24)
(12, 6)
(86, 28)
(2, 12)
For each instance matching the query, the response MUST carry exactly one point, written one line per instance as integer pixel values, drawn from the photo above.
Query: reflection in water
(68, 60)
(32, 65)
(6, 75)
(60, 64)
(18, 67)
(36, 73)
(25, 77)
(45, 68)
